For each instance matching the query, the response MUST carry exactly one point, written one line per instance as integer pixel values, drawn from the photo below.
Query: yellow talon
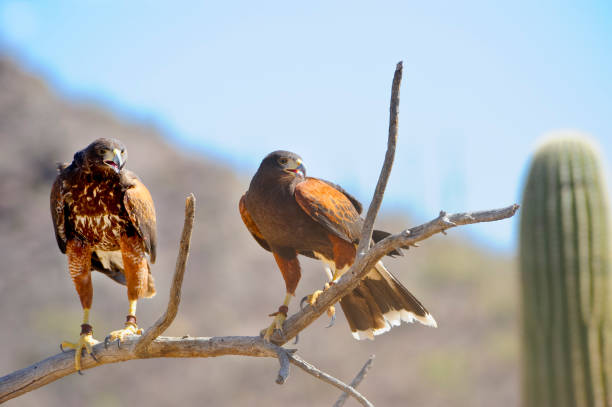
(85, 342)
(277, 324)
(312, 298)
(279, 317)
(130, 329)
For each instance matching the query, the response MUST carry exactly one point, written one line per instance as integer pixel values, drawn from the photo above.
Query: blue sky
(482, 82)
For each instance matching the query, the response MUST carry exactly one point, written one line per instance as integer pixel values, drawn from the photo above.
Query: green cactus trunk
(565, 278)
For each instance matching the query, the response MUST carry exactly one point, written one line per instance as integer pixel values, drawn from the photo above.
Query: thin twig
(311, 370)
(379, 192)
(356, 381)
(175, 291)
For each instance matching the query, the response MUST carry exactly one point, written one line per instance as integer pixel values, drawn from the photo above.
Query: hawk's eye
(102, 151)
(283, 161)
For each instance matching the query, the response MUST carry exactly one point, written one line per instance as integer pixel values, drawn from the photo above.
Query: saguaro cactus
(565, 259)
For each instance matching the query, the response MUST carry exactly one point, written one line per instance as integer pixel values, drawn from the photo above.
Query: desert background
(199, 93)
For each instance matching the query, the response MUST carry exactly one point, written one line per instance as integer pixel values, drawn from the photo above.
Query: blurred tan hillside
(230, 285)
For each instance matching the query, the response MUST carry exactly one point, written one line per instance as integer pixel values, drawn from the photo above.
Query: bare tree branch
(62, 364)
(177, 282)
(310, 369)
(150, 345)
(379, 192)
(360, 376)
(286, 356)
(283, 358)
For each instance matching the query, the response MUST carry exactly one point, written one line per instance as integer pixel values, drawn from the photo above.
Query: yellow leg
(130, 329)
(337, 275)
(133, 307)
(85, 342)
(279, 318)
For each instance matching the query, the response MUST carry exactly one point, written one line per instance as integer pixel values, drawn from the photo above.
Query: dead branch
(286, 356)
(62, 364)
(150, 345)
(310, 369)
(385, 172)
(356, 381)
(177, 282)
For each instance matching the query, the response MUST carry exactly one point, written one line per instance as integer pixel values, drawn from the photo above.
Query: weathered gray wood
(356, 381)
(177, 282)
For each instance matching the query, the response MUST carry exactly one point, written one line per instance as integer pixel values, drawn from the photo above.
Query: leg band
(86, 329)
(283, 309)
(131, 320)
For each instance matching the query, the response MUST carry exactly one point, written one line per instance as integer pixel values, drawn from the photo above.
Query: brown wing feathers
(57, 214)
(329, 207)
(139, 205)
(250, 224)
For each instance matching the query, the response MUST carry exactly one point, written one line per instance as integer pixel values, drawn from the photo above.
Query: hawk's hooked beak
(299, 169)
(117, 162)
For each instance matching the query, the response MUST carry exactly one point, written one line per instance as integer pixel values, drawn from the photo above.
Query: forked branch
(356, 381)
(151, 345)
(177, 282)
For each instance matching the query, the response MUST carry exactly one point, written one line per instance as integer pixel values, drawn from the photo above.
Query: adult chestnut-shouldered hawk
(289, 214)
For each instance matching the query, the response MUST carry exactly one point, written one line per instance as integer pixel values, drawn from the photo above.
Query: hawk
(104, 220)
(289, 213)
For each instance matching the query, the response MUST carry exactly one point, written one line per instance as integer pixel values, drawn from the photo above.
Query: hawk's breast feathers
(98, 210)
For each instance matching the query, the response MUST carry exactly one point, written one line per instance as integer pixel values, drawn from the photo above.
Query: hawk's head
(103, 154)
(284, 162)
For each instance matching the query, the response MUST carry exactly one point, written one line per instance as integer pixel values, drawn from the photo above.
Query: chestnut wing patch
(250, 224)
(139, 206)
(330, 208)
(354, 201)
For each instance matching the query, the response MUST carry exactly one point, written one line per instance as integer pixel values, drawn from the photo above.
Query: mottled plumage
(289, 214)
(104, 219)
(97, 205)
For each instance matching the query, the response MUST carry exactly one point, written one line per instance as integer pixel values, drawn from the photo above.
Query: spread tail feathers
(381, 302)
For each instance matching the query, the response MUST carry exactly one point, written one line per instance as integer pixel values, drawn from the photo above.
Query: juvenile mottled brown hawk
(104, 220)
(289, 214)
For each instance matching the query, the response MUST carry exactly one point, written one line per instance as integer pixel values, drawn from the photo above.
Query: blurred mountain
(230, 285)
